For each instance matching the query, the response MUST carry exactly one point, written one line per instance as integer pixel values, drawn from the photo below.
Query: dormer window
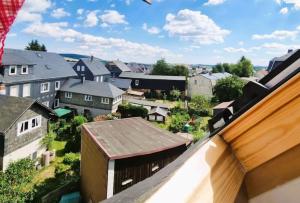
(12, 70)
(24, 70)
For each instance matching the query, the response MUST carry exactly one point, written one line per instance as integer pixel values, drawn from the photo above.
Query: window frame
(88, 98)
(137, 82)
(30, 127)
(68, 95)
(26, 85)
(27, 70)
(42, 89)
(82, 68)
(56, 103)
(12, 67)
(57, 82)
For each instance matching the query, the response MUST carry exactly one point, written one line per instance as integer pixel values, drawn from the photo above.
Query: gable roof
(122, 66)
(131, 137)
(101, 89)
(96, 66)
(11, 108)
(121, 83)
(159, 111)
(150, 77)
(216, 76)
(46, 65)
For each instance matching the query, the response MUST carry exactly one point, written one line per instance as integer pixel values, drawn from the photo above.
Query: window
(56, 103)
(45, 87)
(46, 103)
(26, 90)
(97, 79)
(137, 82)
(82, 68)
(101, 78)
(68, 95)
(88, 98)
(57, 85)
(78, 68)
(155, 168)
(14, 91)
(117, 99)
(34, 156)
(29, 125)
(12, 70)
(126, 182)
(24, 70)
(104, 100)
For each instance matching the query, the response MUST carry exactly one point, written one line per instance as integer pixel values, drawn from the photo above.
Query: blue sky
(181, 31)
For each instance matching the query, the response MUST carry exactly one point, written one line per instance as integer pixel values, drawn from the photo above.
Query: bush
(178, 121)
(199, 106)
(61, 170)
(47, 141)
(72, 160)
(198, 135)
(128, 110)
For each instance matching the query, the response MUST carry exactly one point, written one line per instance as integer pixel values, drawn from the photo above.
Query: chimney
(290, 50)
(92, 58)
(82, 78)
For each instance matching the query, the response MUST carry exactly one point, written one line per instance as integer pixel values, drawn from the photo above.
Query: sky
(180, 31)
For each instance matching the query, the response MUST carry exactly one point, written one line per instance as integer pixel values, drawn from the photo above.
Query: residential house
(23, 124)
(252, 154)
(90, 97)
(120, 153)
(140, 68)
(203, 84)
(141, 81)
(92, 69)
(116, 68)
(35, 74)
(157, 114)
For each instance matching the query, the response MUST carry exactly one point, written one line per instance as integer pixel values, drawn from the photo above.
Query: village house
(116, 68)
(23, 124)
(35, 74)
(120, 153)
(203, 84)
(92, 69)
(90, 97)
(141, 81)
(157, 114)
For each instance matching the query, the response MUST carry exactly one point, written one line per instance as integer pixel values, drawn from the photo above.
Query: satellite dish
(148, 1)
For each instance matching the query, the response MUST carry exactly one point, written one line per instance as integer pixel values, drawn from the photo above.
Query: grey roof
(46, 65)
(159, 111)
(122, 66)
(216, 76)
(96, 66)
(132, 137)
(121, 83)
(278, 60)
(101, 89)
(11, 108)
(150, 77)
(148, 103)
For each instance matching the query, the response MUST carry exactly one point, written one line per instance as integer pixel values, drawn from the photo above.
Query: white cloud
(32, 10)
(91, 19)
(241, 43)
(294, 3)
(195, 27)
(80, 11)
(214, 2)
(128, 2)
(109, 47)
(241, 50)
(284, 11)
(152, 30)
(278, 34)
(111, 17)
(59, 13)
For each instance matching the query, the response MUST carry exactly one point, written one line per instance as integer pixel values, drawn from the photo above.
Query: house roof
(223, 105)
(101, 89)
(121, 83)
(150, 77)
(11, 108)
(159, 111)
(148, 103)
(216, 76)
(131, 137)
(96, 66)
(278, 60)
(122, 66)
(46, 65)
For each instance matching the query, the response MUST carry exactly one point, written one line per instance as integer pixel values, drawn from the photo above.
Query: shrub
(61, 169)
(128, 110)
(199, 106)
(178, 121)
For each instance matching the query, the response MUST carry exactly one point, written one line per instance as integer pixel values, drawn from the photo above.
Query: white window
(57, 85)
(12, 70)
(78, 68)
(82, 68)
(88, 98)
(45, 87)
(24, 70)
(14, 91)
(29, 125)
(97, 79)
(117, 99)
(137, 82)
(46, 103)
(101, 78)
(56, 103)
(26, 90)
(104, 100)
(68, 95)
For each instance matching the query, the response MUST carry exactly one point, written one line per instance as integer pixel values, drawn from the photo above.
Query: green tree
(178, 121)
(47, 141)
(34, 45)
(218, 68)
(180, 70)
(199, 106)
(228, 89)
(161, 68)
(244, 68)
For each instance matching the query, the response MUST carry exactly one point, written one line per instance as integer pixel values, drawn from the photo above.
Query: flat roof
(147, 103)
(131, 137)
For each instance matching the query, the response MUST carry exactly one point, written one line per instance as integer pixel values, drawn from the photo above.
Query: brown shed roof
(131, 137)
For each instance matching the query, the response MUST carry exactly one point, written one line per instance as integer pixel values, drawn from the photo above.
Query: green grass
(59, 147)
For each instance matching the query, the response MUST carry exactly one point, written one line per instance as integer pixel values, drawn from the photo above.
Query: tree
(34, 45)
(178, 121)
(175, 94)
(218, 68)
(244, 68)
(180, 70)
(161, 68)
(199, 106)
(228, 89)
